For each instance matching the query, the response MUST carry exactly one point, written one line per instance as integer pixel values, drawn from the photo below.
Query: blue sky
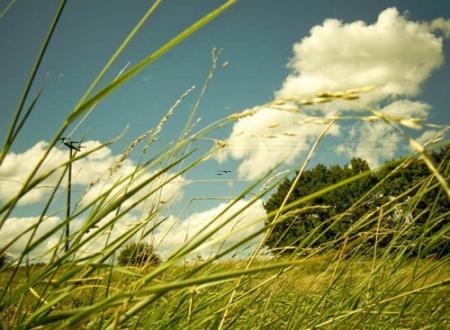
(257, 39)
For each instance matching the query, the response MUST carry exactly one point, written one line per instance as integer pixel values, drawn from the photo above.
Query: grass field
(353, 293)
(349, 286)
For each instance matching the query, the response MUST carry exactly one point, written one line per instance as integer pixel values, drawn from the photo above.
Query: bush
(139, 254)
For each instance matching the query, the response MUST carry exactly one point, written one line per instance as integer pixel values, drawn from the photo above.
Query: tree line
(400, 207)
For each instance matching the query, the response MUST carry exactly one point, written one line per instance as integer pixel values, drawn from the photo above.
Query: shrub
(139, 254)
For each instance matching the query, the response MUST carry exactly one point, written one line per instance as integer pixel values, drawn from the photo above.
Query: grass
(337, 294)
(350, 287)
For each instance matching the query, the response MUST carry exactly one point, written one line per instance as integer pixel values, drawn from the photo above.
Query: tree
(321, 209)
(425, 210)
(420, 212)
(139, 254)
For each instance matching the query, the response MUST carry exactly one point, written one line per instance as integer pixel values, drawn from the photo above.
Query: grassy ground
(347, 294)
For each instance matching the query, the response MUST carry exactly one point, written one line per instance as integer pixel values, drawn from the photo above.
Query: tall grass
(345, 288)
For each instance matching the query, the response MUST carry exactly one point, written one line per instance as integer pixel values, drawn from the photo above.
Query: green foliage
(333, 204)
(421, 213)
(138, 254)
(413, 204)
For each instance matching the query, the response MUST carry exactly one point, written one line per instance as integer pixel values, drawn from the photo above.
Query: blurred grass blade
(12, 133)
(7, 8)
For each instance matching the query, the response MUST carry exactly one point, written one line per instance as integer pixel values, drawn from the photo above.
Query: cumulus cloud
(376, 141)
(407, 109)
(18, 166)
(267, 137)
(15, 226)
(394, 54)
(86, 171)
(429, 137)
(441, 24)
(371, 142)
(174, 232)
(170, 235)
(157, 197)
(121, 227)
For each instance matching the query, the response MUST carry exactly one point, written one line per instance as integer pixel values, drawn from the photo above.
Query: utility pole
(73, 147)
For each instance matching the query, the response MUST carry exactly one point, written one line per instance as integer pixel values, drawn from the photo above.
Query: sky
(269, 50)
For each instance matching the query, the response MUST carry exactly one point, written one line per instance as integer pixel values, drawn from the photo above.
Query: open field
(355, 293)
(97, 236)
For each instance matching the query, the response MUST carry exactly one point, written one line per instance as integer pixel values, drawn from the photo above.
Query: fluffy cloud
(376, 141)
(170, 235)
(174, 232)
(15, 226)
(441, 24)
(86, 171)
(122, 226)
(430, 137)
(371, 142)
(407, 109)
(17, 167)
(170, 192)
(267, 137)
(394, 54)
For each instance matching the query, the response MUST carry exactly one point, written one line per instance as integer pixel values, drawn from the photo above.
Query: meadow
(348, 286)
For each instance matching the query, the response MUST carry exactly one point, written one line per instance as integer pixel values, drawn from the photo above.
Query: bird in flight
(222, 172)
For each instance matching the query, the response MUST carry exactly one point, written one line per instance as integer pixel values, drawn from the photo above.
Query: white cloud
(371, 142)
(86, 171)
(170, 192)
(15, 226)
(441, 24)
(379, 141)
(268, 137)
(121, 227)
(407, 109)
(17, 167)
(170, 235)
(429, 137)
(393, 54)
(174, 232)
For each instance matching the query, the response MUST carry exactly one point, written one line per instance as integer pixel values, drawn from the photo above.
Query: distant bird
(222, 172)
